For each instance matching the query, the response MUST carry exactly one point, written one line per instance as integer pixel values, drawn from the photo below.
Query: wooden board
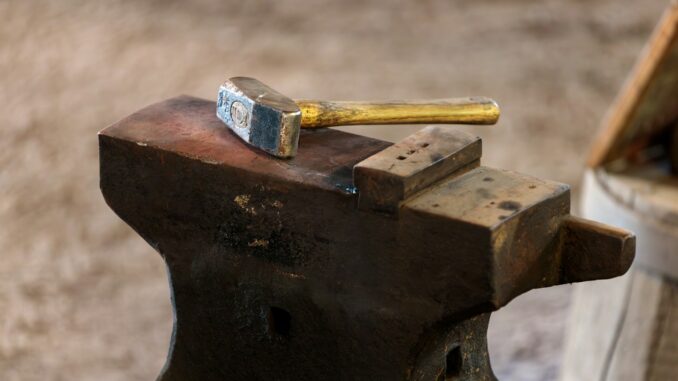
(626, 329)
(648, 102)
(664, 359)
(647, 190)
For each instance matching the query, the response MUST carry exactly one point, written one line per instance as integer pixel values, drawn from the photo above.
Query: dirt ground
(83, 298)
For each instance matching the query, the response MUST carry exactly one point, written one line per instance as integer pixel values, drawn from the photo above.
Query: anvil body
(356, 260)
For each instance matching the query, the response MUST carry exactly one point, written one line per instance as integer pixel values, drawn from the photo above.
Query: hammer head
(260, 115)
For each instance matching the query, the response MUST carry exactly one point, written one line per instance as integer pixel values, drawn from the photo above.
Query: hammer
(271, 121)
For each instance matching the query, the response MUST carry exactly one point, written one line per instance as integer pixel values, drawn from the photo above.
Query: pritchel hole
(401, 157)
(279, 321)
(453, 363)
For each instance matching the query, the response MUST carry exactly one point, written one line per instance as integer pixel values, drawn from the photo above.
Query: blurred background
(84, 298)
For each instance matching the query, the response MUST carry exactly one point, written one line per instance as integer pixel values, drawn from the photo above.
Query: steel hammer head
(260, 115)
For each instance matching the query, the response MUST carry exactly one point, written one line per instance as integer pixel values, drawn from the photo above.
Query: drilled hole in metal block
(453, 363)
(279, 321)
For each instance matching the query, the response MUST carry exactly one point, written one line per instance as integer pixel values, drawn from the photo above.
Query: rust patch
(509, 205)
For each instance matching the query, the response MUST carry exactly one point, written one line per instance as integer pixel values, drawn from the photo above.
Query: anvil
(356, 260)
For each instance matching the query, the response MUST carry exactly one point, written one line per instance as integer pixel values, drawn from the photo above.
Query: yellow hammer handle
(473, 110)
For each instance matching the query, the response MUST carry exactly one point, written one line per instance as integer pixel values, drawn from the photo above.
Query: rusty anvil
(356, 260)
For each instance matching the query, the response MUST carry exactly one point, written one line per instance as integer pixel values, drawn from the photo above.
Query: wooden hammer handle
(473, 110)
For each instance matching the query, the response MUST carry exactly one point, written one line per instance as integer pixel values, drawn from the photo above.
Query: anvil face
(260, 115)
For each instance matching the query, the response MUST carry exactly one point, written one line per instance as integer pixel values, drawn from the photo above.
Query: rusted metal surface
(285, 270)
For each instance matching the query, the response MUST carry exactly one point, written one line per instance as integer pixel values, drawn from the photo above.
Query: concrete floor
(83, 298)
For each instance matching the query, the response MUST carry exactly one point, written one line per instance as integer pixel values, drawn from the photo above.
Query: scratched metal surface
(77, 286)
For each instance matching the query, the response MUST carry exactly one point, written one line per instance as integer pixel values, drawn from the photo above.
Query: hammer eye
(239, 114)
